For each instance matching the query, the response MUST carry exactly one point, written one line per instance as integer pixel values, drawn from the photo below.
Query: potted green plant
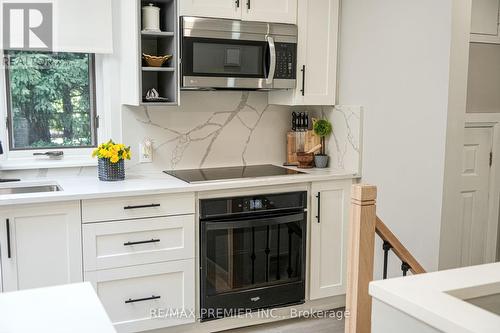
(322, 128)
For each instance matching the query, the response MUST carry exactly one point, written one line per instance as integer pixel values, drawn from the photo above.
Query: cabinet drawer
(137, 242)
(131, 294)
(96, 210)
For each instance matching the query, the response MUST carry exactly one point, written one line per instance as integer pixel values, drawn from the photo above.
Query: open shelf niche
(164, 79)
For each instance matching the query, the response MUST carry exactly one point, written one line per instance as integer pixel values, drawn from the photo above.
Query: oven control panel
(286, 63)
(248, 204)
(253, 204)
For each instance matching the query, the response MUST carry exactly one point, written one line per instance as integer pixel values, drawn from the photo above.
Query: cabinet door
(41, 245)
(276, 11)
(318, 25)
(230, 9)
(484, 21)
(320, 33)
(329, 235)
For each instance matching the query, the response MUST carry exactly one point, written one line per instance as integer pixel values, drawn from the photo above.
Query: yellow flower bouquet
(111, 166)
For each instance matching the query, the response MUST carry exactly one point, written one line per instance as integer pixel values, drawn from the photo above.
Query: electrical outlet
(145, 153)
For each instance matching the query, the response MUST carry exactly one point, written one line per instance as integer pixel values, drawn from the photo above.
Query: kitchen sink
(20, 189)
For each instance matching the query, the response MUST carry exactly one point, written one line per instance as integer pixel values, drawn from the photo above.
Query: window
(51, 100)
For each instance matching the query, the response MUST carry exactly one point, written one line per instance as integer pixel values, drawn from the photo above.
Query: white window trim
(74, 157)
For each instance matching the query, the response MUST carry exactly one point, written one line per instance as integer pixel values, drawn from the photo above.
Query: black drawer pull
(130, 300)
(142, 242)
(142, 206)
(7, 225)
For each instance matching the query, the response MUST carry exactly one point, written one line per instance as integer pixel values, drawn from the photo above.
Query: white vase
(151, 18)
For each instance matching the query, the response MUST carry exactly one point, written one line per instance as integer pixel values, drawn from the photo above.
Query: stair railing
(364, 224)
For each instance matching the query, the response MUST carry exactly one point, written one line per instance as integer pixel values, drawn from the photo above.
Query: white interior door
(484, 19)
(475, 194)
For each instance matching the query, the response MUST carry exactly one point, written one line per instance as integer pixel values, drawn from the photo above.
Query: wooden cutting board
(310, 141)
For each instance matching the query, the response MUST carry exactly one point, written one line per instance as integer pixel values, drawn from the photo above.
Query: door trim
(491, 120)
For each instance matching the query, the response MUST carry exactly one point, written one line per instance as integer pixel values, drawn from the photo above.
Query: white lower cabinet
(40, 245)
(329, 238)
(146, 297)
(139, 254)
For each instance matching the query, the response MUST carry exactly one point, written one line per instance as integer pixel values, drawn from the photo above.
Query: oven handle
(249, 223)
(272, 65)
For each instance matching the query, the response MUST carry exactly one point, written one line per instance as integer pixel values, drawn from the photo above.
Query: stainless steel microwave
(233, 54)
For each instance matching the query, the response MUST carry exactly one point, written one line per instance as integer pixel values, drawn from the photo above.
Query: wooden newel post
(360, 258)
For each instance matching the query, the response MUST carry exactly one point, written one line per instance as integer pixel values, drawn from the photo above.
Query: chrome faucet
(4, 180)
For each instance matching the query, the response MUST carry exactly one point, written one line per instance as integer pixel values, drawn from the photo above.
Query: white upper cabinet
(41, 245)
(485, 21)
(318, 24)
(279, 11)
(276, 11)
(230, 9)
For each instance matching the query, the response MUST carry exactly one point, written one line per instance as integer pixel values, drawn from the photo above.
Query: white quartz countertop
(89, 187)
(71, 308)
(437, 299)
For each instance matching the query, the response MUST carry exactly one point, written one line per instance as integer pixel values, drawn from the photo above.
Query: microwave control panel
(286, 61)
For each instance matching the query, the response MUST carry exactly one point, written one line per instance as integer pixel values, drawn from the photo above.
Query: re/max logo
(27, 26)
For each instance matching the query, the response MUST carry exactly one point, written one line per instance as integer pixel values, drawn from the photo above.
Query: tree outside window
(50, 100)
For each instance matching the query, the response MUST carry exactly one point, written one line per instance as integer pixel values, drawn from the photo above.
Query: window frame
(73, 157)
(93, 109)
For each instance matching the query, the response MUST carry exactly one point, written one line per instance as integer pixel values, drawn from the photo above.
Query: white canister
(151, 18)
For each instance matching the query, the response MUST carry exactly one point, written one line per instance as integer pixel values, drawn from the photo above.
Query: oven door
(252, 263)
(227, 63)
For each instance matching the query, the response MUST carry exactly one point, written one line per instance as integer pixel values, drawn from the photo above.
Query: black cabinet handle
(303, 70)
(7, 224)
(130, 300)
(141, 242)
(237, 3)
(248, 4)
(142, 206)
(318, 217)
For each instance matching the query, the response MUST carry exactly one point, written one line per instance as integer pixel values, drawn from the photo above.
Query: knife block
(310, 141)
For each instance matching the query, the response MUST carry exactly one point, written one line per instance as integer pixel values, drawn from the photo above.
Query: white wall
(395, 61)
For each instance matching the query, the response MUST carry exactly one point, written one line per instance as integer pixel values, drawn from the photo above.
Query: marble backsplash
(212, 129)
(344, 145)
(209, 129)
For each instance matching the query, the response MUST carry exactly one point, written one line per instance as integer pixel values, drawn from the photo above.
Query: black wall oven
(233, 54)
(252, 253)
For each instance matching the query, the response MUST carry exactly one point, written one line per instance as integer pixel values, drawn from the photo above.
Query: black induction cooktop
(214, 174)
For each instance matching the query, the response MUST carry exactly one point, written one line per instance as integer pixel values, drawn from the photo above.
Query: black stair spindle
(253, 255)
(278, 275)
(267, 255)
(405, 267)
(386, 246)
(289, 269)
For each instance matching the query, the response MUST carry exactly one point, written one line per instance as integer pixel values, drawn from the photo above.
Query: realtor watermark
(27, 26)
(244, 313)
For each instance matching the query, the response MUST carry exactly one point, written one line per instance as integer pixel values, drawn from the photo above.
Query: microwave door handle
(272, 64)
